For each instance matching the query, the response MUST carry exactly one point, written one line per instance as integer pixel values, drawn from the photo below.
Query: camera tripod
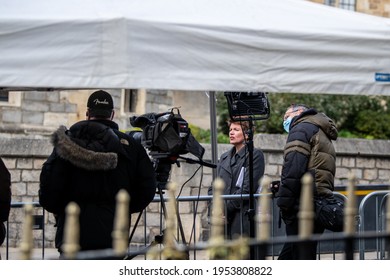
(162, 168)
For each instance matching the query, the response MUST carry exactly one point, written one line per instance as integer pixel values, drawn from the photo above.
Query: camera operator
(89, 164)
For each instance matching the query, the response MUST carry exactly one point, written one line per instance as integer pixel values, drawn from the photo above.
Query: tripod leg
(179, 223)
(135, 226)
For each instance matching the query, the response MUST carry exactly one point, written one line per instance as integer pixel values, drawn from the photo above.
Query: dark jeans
(299, 251)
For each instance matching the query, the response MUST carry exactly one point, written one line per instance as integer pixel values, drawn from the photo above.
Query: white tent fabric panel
(237, 45)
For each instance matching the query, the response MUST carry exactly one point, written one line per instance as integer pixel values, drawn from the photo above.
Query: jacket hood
(321, 120)
(81, 157)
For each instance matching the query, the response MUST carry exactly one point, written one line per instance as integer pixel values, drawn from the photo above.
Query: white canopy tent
(201, 45)
(235, 45)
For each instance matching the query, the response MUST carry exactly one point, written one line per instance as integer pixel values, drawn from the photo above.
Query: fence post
(306, 216)
(26, 244)
(350, 216)
(216, 250)
(71, 244)
(264, 218)
(120, 234)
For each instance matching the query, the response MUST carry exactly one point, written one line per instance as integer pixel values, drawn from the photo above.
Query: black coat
(90, 163)
(228, 170)
(5, 192)
(309, 148)
(5, 198)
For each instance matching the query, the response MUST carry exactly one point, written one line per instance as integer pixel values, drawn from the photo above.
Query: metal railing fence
(335, 241)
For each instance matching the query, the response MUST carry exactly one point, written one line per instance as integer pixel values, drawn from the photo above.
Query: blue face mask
(286, 124)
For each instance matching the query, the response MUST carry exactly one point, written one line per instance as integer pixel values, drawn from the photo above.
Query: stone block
(55, 119)
(53, 97)
(24, 163)
(30, 175)
(32, 189)
(9, 162)
(35, 106)
(370, 174)
(35, 95)
(365, 162)
(19, 189)
(273, 158)
(32, 117)
(57, 107)
(71, 108)
(348, 162)
(384, 175)
(383, 163)
(38, 163)
(12, 116)
(271, 170)
(16, 175)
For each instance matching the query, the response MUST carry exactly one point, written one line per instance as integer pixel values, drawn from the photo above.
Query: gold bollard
(169, 239)
(264, 217)
(306, 212)
(120, 234)
(217, 215)
(26, 244)
(71, 231)
(238, 249)
(350, 207)
(350, 214)
(216, 249)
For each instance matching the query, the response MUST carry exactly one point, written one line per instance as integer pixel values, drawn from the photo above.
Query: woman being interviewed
(233, 169)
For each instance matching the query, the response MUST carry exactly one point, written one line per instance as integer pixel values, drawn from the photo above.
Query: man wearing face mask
(309, 148)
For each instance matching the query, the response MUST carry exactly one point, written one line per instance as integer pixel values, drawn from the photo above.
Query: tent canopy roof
(233, 45)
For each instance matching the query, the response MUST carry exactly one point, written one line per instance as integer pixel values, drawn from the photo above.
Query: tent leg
(213, 130)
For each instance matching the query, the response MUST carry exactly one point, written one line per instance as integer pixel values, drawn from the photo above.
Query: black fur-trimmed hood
(79, 156)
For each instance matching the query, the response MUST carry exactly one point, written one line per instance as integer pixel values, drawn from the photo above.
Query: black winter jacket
(309, 148)
(5, 198)
(5, 192)
(90, 163)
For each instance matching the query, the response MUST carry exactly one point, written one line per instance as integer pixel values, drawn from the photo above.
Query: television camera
(167, 136)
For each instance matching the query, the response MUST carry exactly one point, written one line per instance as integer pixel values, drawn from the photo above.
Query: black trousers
(299, 251)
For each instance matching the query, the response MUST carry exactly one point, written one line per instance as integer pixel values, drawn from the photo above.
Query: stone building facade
(373, 7)
(41, 112)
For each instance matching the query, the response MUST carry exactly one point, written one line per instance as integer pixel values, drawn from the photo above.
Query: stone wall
(33, 110)
(374, 7)
(369, 160)
(41, 112)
